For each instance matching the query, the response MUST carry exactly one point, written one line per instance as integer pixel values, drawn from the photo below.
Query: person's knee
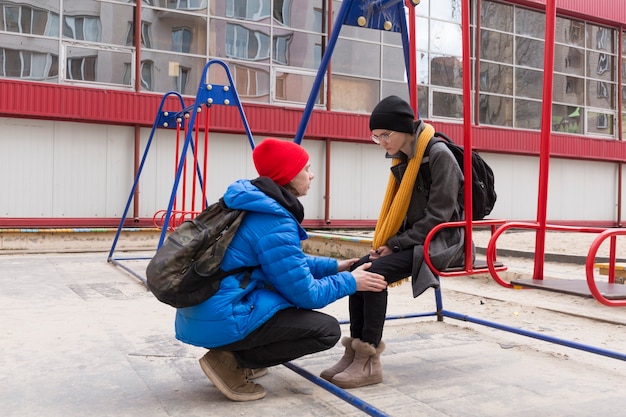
(332, 332)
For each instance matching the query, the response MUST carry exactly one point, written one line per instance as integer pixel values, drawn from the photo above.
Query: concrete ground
(81, 336)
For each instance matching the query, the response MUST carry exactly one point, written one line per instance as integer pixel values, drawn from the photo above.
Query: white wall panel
(26, 168)
(65, 170)
(359, 174)
(582, 190)
(314, 202)
(516, 180)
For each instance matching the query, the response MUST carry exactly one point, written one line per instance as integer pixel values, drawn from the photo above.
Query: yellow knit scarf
(397, 197)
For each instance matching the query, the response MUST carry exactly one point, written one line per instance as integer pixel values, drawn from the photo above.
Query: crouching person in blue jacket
(267, 317)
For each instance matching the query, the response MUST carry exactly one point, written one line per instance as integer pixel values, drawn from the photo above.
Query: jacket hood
(244, 195)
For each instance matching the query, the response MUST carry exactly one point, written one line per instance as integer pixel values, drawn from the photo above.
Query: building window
(83, 68)
(83, 28)
(511, 71)
(146, 75)
(243, 43)
(181, 40)
(27, 19)
(146, 38)
(28, 65)
(178, 4)
(253, 10)
(180, 81)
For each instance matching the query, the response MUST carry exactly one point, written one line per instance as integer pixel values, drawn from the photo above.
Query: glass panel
(445, 38)
(174, 32)
(528, 114)
(496, 16)
(569, 89)
(252, 10)
(247, 42)
(567, 119)
(295, 88)
(496, 78)
(601, 123)
(600, 66)
(447, 105)
(393, 64)
(496, 46)
(447, 10)
(422, 101)
(172, 71)
(528, 52)
(446, 71)
(298, 49)
(37, 62)
(396, 89)
(600, 94)
(496, 110)
(301, 14)
(97, 21)
(393, 38)
(570, 32)
(252, 82)
(423, 60)
(530, 23)
(348, 31)
(186, 5)
(569, 60)
(600, 38)
(354, 94)
(421, 37)
(358, 58)
(422, 8)
(528, 83)
(96, 65)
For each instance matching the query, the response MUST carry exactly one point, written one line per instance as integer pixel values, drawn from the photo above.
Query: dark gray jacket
(437, 198)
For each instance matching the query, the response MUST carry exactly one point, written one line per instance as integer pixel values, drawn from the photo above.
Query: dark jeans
(368, 309)
(288, 335)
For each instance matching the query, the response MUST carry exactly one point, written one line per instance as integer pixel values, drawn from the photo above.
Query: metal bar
(467, 129)
(143, 160)
(130, 271)
(335, 390)
(546, 132)
(332, 41)
(535, 335)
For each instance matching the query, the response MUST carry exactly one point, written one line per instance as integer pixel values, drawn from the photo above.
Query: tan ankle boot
(366, 368)
(344, 362)
(222, 369)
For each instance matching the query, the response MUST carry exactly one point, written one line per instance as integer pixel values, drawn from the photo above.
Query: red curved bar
(591, 257)
(468, 270)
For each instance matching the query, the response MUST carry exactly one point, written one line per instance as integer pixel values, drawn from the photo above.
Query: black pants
(288, 335)
(368, 309)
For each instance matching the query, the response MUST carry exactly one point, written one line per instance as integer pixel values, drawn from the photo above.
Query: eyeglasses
(382, 138)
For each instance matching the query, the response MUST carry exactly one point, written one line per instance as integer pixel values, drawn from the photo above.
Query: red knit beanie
(281, 160)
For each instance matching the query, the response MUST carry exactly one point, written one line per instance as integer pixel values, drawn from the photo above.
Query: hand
(346, 264)
(368, 281)
(381, 251)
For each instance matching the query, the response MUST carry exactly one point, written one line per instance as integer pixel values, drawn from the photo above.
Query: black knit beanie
(393, 113)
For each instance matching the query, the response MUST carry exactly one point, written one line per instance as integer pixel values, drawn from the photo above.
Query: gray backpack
(186, 269)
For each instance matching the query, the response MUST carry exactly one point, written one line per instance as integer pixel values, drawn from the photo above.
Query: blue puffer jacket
(269, 236)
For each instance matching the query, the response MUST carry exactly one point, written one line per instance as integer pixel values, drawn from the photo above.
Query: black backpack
(186, 269)
(483, 182)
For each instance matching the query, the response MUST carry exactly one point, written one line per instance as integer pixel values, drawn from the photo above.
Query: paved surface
(80, 336)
